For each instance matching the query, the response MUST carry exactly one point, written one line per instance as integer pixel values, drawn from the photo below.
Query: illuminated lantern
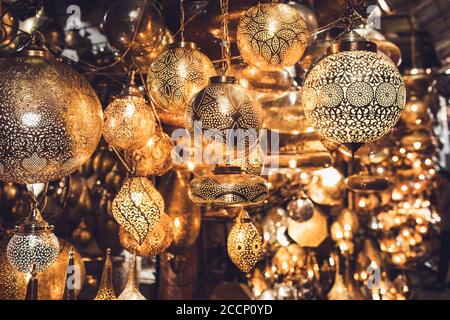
(271, 36)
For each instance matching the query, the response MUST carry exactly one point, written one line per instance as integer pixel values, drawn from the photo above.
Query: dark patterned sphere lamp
(354, 95)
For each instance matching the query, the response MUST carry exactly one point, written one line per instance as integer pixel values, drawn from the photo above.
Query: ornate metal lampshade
(129, 120)
(34, 247)
(138, 207)
(50, 119)
(224, 110)
(271, 36)
(244, 244)
(229, 187)
(175, 77)
(354, 95)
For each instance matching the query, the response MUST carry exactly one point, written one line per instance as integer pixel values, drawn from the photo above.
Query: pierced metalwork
(224, 110)
(353, 96)
(154, 158)
(156, 241)
(271, 36)
(50, 120)
(177, 75)
(138, 207)
(244, 244)
(129, 122)
(229, 189)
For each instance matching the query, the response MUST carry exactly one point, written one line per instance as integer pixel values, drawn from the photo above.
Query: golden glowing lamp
(138, 207)
(129, 120)
(156, 242)
(244, 244)
(271, 36)
(175, 76)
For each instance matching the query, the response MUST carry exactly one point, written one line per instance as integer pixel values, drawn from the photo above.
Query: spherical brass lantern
(271, 36)
(244, 244)
(224, 109)
(34, 247)
(129, 120)
(354, 95)
(50, 117)
(138, 207)
(176, 76)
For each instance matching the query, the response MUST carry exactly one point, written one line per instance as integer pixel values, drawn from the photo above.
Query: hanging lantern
(34, 247)
(138, 207)
(154, 158)
(51, 118)
(244, 244)
(106, 290)
(156, 241)
(229, 187)
(271, 36)
(300, 208)
(354, 95)
(129, 120)
(131, 290)
(134, 25)
(223, 110)
(175, 77)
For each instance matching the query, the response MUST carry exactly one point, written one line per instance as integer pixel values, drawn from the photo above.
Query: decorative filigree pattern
(244, 245)
(156, 241)
(129, 123)
(271, 36)
(38, 249)
(154, 158)
(50, 120)
(353, 96)
(176, 76)
(138, 207)
(224, 110)
(229, 189)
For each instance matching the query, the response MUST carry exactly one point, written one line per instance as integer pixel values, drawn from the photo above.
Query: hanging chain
(182, 20)
(225, 46)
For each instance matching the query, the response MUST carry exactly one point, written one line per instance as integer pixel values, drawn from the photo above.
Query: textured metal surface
(222, 109)
(138, 207)
(244, 245)
(156, 241)
(50, 120)
(26, 250)
(176, 76)
(229, 189)
(271, 36)
(354, 96)
(129, 123)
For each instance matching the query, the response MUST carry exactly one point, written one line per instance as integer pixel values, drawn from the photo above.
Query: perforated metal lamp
(354, 95)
